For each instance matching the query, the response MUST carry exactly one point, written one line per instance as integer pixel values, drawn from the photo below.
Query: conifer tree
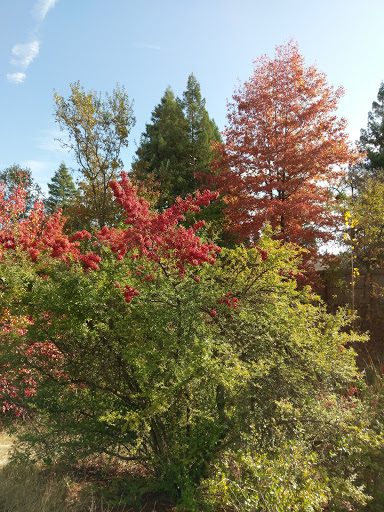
(62, 190)
(372, 139)
(176, 146)
(201, 129)
(162, 157)
(366, 182)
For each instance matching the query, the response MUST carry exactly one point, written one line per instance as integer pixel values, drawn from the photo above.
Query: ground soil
(5, 447)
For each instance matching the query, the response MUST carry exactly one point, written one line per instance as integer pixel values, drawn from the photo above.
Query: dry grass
(32, 488)
(26, 488)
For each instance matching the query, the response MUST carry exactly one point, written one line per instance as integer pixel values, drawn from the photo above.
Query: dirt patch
(5, 448)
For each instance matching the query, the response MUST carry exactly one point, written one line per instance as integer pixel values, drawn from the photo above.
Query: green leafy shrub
(166, 352)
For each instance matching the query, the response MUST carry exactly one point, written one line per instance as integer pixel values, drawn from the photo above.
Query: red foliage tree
(37, 232)
(38, 236)
(159, 236)
(284, 148)
(36, 239)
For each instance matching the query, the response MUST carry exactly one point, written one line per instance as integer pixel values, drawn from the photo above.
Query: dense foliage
(97, 130)
(372, 138)
(140, 340)
(203, 365)
(62, 190)
(176, 146)
(363, 201)
(284, 149)
(15, 176)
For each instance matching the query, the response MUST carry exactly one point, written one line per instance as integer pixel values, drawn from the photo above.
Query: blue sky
(147, 45)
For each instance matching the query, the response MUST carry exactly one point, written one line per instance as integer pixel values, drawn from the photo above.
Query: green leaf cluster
(235, 369)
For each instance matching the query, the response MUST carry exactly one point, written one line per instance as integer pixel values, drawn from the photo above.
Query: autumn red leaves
(284, 150)
(143, 340)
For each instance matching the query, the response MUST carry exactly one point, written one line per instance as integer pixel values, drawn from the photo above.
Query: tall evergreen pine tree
(371, 142)
(175, 146)
(372, 139)
(62, 190)
(161, 157)
(201, 129)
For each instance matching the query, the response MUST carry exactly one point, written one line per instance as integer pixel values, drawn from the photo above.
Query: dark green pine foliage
(62, 190)
(372, 139)
(175, 146)
(201, 129)
(161, 159)
(202, 132)
(372, 143)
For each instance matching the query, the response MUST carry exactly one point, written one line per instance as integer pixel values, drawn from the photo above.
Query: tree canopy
(97, 130)
(176, 145)
(372, 138)
(213, 372)
(202, 131)
(284, 148)
(197, 363)
(16, 176)
(62, 190)
(161, 157)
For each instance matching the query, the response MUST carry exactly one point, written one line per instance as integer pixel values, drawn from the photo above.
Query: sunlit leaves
(284, 148)
(97, 130)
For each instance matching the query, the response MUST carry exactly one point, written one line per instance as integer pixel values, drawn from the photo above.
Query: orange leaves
(284, 147)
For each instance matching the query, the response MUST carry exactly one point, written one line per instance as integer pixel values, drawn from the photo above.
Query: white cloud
(24, 54)
(42, 171)
(16, 78)
(42, 7)
(36, 166)
(148, 46)
(47, 141)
